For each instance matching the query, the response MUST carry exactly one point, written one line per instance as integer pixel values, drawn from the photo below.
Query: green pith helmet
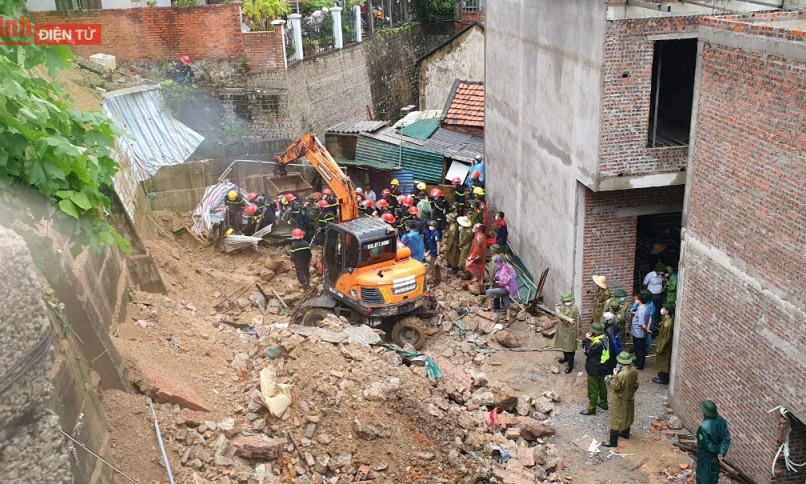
(496, 249)
(597, 328)
(624, 358)
(566, 298)
(708, 408)
(451, 218)
(620, 293)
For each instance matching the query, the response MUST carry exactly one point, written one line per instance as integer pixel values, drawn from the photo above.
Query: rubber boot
(624, 434)
(613, 442)
(564, 358)
(570, 357)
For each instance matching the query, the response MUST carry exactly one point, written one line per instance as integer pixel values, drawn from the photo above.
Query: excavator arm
(310, 147)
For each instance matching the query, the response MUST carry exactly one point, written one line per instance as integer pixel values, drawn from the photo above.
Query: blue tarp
(155, 138)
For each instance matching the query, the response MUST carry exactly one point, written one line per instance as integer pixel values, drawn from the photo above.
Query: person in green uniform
(620, 307)
(452, 243)
(465, 240)
(713, 442)
(476, 215)
(623, 385)
(663, 358)
(597, 352)
(602, 295)
(670, 286)
(568, 329)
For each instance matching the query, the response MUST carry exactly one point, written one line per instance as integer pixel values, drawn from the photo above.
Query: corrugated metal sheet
(452, 144)
(157, 138)
(349, 127)
(422, 129)
(376, 153)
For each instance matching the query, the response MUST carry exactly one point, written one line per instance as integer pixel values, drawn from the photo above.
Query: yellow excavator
(366, 278)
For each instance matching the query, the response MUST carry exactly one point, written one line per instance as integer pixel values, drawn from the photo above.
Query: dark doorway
(658, 241)
(673, 67)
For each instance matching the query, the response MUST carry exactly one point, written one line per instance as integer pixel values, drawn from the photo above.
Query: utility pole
(370, 18)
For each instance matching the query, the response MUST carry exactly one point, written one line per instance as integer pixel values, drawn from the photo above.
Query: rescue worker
(620, 307)
(389, 219)
(477, 257)
(325, 217)
(476, 217)
(401, 216)
(568, 328)
(312, 214)
(301, 257)
(438, 207)
(485, 212)
(623, 385)
(475, 180)
(235, 205)
(433, 241)
(267, 215)
(670, 287)
(597, 352)
(394, 188)
(663, 357)
(382, 206)
(459, 195)
(501, 230)
(602, 295)
(452, 243)
(332, 201)
(424, 211)
(182, 72)
(713, 442)
(414, 216)
(465, 239)
(367, 208)
(251, 197)
(421, 188)
(359, 195)
(390, 199)
(252, 219)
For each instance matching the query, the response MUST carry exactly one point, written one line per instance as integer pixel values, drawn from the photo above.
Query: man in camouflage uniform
(568, 328)
(452, 243)
(620, 307)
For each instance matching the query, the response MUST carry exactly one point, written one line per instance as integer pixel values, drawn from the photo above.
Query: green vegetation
(185, 3)
(262, 12)
(50, 147)
(433, 11)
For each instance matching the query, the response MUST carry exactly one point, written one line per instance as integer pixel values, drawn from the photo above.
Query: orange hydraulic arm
(310, 147)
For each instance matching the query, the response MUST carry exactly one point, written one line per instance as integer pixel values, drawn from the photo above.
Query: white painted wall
(461, 59)
(544, 63)
(41, 5)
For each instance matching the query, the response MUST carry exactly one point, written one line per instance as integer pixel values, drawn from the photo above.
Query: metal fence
(317, 34)
(473, 6)
(348, 26)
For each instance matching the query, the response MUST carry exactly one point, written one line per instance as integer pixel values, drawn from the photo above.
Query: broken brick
(454, 372)
(164, 387)
(515, 476)
(526, 456)
(250, 446)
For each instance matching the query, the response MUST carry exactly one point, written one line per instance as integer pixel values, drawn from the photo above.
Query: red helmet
(386, 192)
(323, 204)
(475, 174)
(436, 192)
(456, 181)
(297, 233)
(251, 196)
(383, 203)
(185, 60)
(368, 203)
(389, 218)
(404, 200)
(290, 197)
(251, 209)
(327, 191)
(413, 211)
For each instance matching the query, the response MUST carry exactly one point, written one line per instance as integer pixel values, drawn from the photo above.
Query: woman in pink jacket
(507, 282)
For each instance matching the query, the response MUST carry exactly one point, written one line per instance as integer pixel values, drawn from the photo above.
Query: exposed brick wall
(626, 101)
(749, 24)
(746, 195)
(609, 241)
(206, 32)
(742, 331)
(797, 453)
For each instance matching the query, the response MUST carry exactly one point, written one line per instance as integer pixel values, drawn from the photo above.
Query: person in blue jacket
(414, 241)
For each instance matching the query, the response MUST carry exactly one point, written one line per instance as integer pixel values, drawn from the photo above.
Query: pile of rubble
(351, 410)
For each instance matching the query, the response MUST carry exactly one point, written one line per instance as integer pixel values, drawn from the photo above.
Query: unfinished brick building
(741, 322)
(587, 132)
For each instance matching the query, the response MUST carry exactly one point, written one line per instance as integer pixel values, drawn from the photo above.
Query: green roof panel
(425, 165)
(421, 129)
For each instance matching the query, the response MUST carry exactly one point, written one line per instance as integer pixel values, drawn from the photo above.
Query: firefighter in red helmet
(301, 257)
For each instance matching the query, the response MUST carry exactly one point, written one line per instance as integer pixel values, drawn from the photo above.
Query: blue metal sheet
(155, 138)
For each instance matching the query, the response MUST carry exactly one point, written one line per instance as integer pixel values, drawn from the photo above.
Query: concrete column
(279, 24)
(357, 15)
(338, 42)
(370, 18)
(296, 29)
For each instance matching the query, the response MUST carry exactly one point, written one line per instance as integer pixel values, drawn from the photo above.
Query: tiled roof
(465, 105)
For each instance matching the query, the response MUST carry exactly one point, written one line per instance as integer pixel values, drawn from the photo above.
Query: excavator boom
(311, 148)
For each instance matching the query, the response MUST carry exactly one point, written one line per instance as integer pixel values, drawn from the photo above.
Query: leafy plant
(173, 94)
(185, 3)
(151, 3)
(290, 50)
(433, 11)
(230, 129)
(47, 145)
(264, 11)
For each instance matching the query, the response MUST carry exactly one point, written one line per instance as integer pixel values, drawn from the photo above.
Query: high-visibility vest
(605, 348)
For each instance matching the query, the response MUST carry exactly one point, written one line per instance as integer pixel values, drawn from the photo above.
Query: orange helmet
(368, 203)
(386, 192)
(383, 203)
(323, 204)
(297, 233)
(251, 209)
(389, 218)
(456, 181)
(475, 174)
(413, 211)
(436, 192)
(327, 191)
(290, 197)
(251, 196)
